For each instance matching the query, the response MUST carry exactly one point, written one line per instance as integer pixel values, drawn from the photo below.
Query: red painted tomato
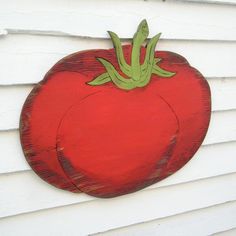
(111, 122)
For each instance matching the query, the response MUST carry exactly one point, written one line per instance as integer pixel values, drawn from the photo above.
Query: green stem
(125, 68)
(138, 75)
(116, 78)
(150, 52)
(139, 37)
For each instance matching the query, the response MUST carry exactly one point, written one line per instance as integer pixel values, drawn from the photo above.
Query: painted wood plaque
(111, 122)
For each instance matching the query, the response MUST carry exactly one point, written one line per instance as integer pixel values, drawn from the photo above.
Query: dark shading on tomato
(111, 122)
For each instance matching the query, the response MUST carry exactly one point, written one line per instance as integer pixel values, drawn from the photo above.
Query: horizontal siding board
(201, 222)
(25, 192)
(12, 157)
(101, 215)
(230, 232)
(222, 2)
(31, 61)
(211, 170)
(12, 99)
(28, 5)
(223, 93)
(222, 129)
(199, 198)
(122, 17)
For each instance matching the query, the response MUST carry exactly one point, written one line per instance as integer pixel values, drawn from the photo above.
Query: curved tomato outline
(174, 90)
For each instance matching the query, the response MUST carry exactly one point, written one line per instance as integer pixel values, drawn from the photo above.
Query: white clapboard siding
(199, 199)
(33, 59)
(101, 215)
(194, 223)
(231, 232)
(12, 99)
(178, 20)
(223, 2)
(12, 158)
(222, 129)
(29, 193)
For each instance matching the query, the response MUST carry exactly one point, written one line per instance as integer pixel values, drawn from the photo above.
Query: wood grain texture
(17, 188)
(60, 18)
(194, 223)
(32, 60)
(63, 112)
(104, 215)
(222, 129)
(13, 97)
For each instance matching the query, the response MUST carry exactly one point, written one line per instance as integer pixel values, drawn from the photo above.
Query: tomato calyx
(139, 75)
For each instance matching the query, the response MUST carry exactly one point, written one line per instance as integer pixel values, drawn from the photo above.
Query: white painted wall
(200, 199)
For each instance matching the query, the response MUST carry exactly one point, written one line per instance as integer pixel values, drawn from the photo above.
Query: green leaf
(150, 50)
(139, 37)
(145, 78)
(142, 31)
(138, 75)
(156, 60)
(161, 72)
(101, 79)
(116, 78)
(125, 68)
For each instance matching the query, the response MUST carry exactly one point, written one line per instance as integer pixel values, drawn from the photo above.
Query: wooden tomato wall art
(111, 122)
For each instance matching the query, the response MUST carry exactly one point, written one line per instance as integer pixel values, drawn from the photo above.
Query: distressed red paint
(111, 122)
(106, 141)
